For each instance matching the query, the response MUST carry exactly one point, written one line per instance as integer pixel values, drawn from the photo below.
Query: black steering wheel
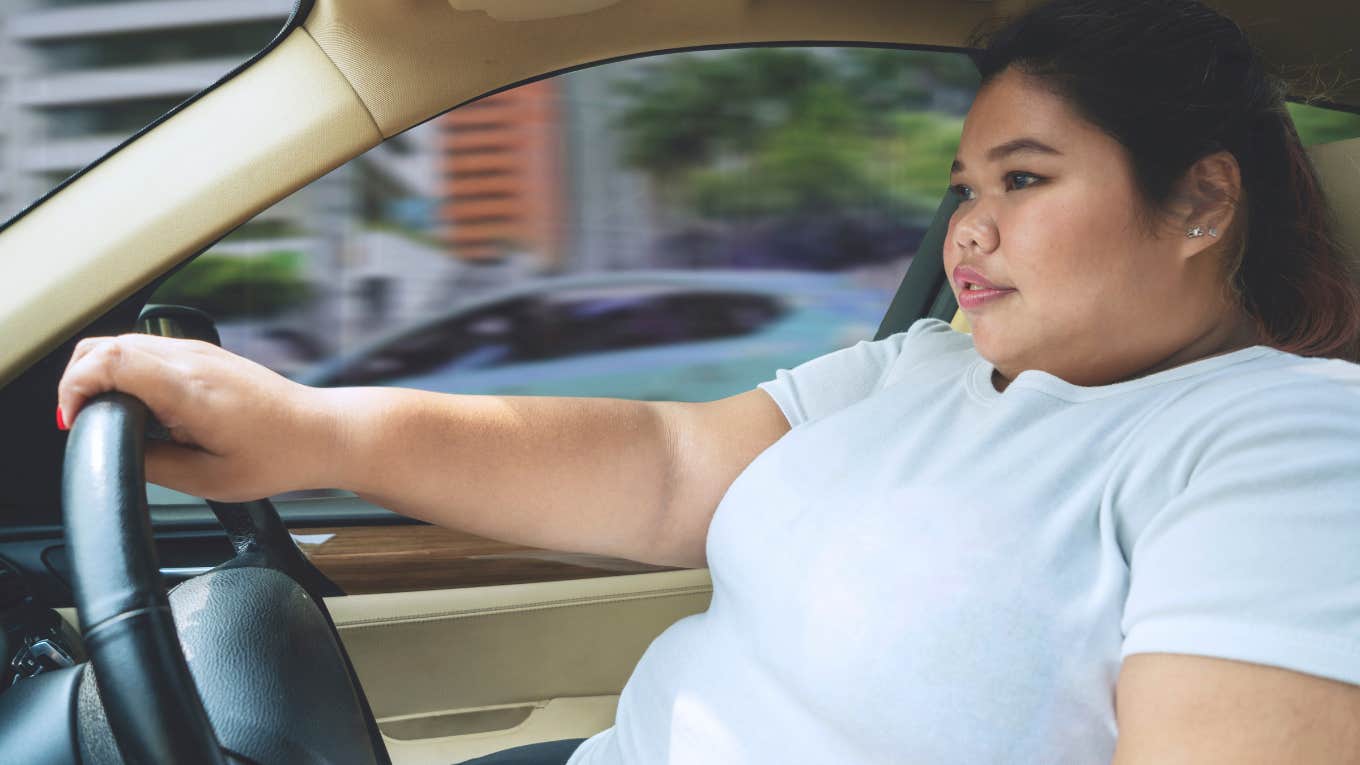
(266, 680)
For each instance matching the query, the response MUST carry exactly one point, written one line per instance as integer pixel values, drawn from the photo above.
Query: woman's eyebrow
(1008, 148)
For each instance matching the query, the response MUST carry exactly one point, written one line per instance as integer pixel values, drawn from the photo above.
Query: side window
(1318, 125)
(670, 227)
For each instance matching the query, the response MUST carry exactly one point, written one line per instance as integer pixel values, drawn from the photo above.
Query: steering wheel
(266, 679)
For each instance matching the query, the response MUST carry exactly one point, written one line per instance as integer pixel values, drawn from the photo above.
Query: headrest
(1338, 167)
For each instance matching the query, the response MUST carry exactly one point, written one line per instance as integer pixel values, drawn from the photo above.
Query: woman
(1132, 487)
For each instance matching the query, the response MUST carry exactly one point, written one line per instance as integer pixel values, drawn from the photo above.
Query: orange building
(502, 170)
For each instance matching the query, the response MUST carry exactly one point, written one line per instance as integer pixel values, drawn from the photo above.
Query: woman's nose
(975, 229)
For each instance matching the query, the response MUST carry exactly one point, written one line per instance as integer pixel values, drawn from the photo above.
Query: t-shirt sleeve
(835, 380)
(1258, 557)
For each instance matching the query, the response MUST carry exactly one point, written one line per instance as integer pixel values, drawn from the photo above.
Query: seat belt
(924, 291)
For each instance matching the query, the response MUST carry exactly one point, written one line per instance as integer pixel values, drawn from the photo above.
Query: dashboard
(40, 680)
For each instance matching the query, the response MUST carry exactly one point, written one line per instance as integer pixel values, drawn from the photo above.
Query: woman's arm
(1179, 708)
(629, 479)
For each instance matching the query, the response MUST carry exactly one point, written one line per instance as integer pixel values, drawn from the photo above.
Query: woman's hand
(240, 430)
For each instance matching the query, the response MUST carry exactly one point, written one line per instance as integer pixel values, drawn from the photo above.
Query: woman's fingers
(84, 346)
(140, 365)
(240, 430)
(153, 343)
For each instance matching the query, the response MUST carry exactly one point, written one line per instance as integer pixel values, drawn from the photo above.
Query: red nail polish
(61, 423)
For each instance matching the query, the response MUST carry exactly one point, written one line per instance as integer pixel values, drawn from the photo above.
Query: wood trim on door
(372, 559)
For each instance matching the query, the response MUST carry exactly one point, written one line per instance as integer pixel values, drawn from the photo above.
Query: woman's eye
(1015, 180)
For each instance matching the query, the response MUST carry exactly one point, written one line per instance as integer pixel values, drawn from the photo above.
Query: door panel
(458, 673)
(453, 674)
(530, 641)
(548, 721)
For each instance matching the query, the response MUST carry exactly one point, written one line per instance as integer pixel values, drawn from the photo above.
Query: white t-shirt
(924, 570)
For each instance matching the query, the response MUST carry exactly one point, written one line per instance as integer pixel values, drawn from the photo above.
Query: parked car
(654, 335)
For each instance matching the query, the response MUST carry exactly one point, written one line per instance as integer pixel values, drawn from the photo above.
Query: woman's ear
(1205, 201)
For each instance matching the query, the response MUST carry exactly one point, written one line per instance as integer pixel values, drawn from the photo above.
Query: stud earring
(1213, 231)
(1195, 231)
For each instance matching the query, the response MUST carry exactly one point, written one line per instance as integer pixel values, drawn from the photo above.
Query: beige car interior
(453, 674)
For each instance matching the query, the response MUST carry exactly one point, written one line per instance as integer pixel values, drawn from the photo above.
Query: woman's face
(1050, 211)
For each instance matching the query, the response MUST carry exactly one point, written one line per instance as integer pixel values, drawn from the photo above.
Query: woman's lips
(970, 299)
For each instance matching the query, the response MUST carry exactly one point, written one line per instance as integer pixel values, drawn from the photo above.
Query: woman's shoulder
(1276, 396)
(936, 328)
(926, 335)
(1276, 378)
(928, 340)
(1277, 420)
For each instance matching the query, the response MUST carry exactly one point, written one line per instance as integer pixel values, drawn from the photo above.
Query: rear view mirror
(178, 321)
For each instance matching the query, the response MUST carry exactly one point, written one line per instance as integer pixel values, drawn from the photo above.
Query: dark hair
(1173, 81)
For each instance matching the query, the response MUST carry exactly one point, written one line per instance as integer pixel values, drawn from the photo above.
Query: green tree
(775, 131)
(232, 286)
(1317, 125)
(814, 162)
(690, 108)
(915, 160)
(887, 80)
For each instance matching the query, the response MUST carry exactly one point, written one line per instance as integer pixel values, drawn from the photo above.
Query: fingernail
(61, 423)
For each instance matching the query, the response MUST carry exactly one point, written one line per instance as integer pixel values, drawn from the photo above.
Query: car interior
(446, 646)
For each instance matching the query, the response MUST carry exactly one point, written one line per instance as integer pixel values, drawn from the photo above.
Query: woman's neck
(1225, 338)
